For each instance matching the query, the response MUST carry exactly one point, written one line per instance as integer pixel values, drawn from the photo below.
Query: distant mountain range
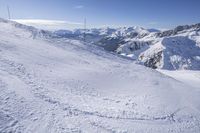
(178, 48)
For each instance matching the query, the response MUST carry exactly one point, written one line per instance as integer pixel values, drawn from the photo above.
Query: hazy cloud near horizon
(50, 24)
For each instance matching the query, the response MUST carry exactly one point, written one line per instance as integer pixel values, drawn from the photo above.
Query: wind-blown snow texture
(60, 85)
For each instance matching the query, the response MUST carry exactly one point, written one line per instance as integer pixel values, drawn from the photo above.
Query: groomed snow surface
(64, 86)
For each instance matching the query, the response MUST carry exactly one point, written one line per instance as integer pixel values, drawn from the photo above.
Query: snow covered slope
(189, 77)
(174, 49)
(60, 85)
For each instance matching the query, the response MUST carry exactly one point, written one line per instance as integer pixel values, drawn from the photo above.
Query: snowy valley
(53, 82)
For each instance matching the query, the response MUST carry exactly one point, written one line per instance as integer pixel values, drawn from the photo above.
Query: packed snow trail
(54, 85)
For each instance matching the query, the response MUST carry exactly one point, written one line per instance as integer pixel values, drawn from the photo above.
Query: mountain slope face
(60, 85)
(173, 49)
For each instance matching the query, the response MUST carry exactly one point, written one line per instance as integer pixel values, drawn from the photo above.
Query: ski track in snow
(40, 93)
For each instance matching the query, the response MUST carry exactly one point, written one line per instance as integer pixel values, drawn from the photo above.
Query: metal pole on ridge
(84, 34)
(8, 9)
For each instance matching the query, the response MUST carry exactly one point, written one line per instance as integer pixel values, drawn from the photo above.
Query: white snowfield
(189, 77)
(64, 86)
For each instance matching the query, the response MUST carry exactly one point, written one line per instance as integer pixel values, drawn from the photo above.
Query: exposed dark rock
(154, 60)
(111, 44)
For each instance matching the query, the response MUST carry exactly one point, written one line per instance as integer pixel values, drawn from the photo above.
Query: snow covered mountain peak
(180, 30)
(106, 32)
(173, 49)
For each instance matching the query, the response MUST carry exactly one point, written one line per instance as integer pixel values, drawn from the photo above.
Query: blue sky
(146, 13)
